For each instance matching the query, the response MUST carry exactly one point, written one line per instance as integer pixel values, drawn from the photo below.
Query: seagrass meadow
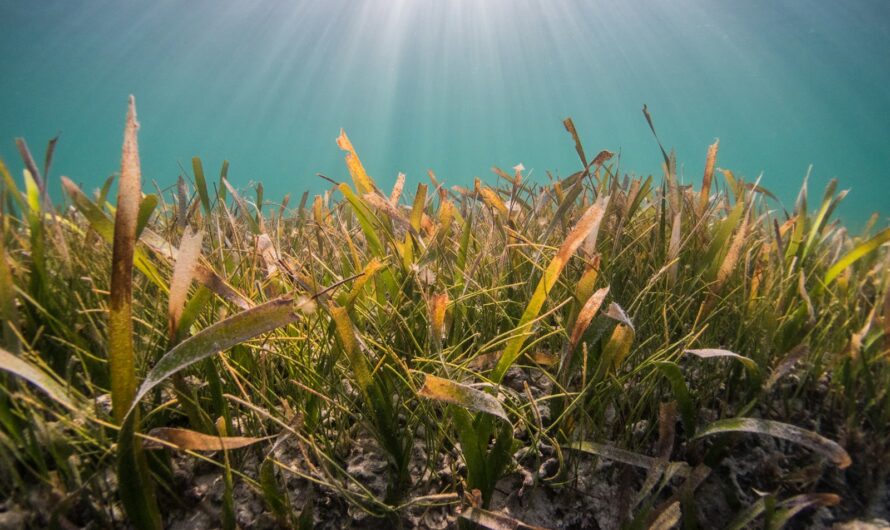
(596, 351)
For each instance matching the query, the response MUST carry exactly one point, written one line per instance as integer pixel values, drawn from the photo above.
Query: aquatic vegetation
(709, 356)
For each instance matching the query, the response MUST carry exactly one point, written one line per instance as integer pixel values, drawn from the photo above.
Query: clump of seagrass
(426, 359)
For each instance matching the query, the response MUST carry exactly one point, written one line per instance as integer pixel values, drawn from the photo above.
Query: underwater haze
(454, 86)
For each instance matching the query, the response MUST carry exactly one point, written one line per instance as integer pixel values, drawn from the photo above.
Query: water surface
(454, 86)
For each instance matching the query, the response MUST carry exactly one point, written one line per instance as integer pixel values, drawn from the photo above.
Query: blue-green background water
(454, 86)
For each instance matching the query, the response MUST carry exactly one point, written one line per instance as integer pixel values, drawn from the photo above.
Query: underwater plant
(704, 355)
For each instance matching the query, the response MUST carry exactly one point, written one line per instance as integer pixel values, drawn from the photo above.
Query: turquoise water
(454, 86)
